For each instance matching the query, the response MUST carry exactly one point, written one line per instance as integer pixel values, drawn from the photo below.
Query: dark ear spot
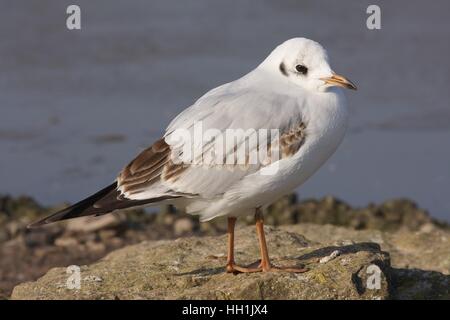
(283, 69)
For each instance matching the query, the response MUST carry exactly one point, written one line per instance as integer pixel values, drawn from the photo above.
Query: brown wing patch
(155, 164)
(145, 169)
(292, 140)
(288, 143)
(173, 171)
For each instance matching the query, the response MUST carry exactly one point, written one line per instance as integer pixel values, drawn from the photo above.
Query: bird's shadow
(346, 249)
(203, 272)
(316, 254)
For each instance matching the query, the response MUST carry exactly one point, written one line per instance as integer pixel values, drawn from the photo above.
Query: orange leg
(231, 265)
(230, 246)
(264, 265)
(265, 261)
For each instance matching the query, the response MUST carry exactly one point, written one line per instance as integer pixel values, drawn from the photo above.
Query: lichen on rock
(193, 268)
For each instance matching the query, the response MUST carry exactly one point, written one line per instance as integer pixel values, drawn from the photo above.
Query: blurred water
(75, 106)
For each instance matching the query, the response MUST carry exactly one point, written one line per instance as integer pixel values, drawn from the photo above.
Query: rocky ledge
(343, 264)
(29, 254)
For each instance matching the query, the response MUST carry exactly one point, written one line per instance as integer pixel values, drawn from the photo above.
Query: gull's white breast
(326, 117)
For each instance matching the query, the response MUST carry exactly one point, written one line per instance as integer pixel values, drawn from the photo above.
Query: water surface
(75, 106)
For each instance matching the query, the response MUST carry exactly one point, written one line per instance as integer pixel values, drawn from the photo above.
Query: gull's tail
(104, 201)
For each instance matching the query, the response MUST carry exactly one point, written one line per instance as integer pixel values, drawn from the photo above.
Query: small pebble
(93, 278)
(333, 255)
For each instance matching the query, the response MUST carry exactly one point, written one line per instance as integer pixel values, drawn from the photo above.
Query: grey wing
(153, 176)
(158, 171)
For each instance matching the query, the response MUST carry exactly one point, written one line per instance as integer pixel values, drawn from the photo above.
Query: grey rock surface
(193, 268)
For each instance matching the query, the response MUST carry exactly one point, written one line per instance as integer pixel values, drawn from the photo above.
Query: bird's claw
(261, 267)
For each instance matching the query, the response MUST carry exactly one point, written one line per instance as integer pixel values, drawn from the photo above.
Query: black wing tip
(82, 208)
(88, 207)
(37, 224)
(55, 217)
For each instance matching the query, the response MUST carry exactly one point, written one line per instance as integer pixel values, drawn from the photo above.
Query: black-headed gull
(239, 147)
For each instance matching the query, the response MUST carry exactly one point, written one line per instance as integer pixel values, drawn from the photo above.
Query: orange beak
(340, 81)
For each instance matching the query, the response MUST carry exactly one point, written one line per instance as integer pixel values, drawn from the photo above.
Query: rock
(13, 228)
(106, 235)
(116, 242)
(96, 247)
(428, 228)
(193, 268)
(66, 242)
(182, 226)
(37, 238)
(166, 216)
(420, 260)
(426, 251)
(20, 207)
(91, 224)
(4, 236)
(391, 215)
(419, 284)
(333, 255)
(414, 240)
(388, 216)
(283, 211)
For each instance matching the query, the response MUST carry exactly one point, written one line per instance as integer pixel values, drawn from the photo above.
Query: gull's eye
(301, 69)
